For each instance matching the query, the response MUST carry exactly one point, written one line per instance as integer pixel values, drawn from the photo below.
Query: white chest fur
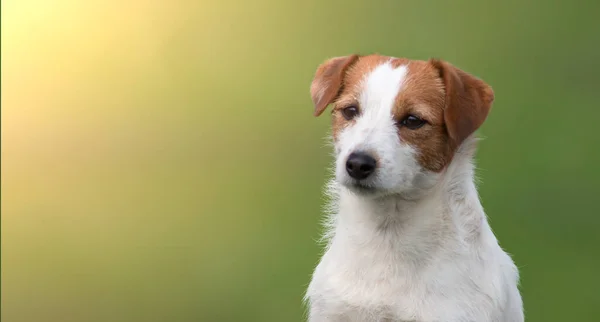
(432, 260)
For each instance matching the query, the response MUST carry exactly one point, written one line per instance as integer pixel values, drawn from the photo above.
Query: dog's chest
(374, 284)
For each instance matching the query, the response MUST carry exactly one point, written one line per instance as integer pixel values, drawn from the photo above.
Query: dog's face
(396, 123)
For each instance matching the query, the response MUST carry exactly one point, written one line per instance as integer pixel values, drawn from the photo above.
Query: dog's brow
(382, 86)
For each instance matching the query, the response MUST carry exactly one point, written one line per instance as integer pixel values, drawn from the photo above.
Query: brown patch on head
(422, 95)
(349, 95)
(453, 103)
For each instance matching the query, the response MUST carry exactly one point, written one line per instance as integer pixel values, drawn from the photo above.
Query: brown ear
(328, 80)
(468, 101)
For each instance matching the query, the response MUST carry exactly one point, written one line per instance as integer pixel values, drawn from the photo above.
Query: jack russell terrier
(407, 237)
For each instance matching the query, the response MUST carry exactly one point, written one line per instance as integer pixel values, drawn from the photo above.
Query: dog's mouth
(361, 188)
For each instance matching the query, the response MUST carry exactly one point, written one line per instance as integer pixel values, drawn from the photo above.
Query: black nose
(360, 165)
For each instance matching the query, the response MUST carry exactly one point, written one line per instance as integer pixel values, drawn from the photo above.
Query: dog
(407, 237)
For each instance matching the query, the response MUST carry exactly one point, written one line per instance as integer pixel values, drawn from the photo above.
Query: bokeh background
(160, 161)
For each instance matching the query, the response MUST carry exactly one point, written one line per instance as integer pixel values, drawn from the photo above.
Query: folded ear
(328, 80)
(468, 101)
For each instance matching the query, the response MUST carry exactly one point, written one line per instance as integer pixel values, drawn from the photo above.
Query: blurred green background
(160, 161)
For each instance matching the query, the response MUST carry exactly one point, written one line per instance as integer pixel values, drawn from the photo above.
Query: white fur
(420, 248)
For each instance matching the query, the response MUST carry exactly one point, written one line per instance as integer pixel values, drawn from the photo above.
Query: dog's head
(397, 123)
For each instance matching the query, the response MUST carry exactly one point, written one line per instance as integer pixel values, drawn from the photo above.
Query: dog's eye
(412, 122)
(350, 112)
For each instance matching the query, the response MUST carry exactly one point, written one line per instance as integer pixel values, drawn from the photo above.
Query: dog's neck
(449, 213)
